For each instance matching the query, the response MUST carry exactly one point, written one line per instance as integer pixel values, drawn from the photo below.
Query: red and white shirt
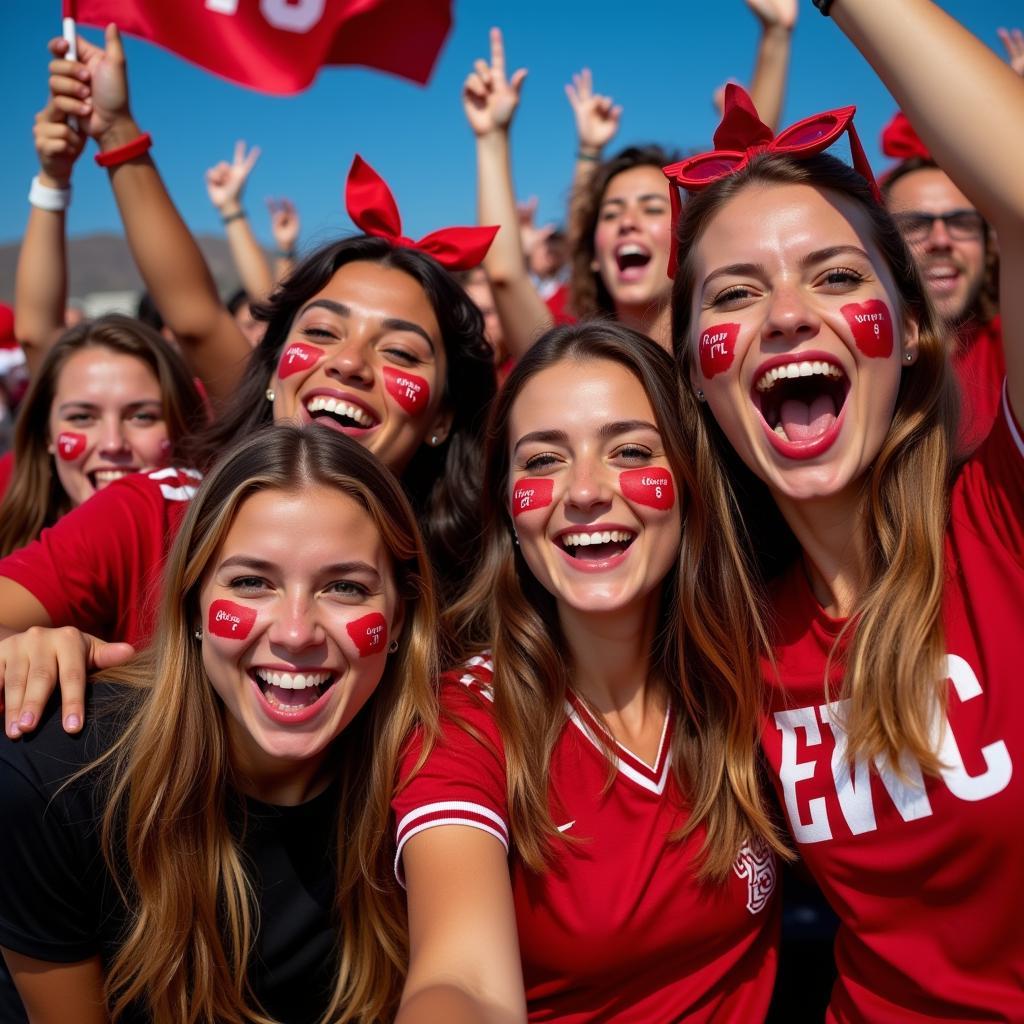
(616, 928)
(99, 566)
(926, 874)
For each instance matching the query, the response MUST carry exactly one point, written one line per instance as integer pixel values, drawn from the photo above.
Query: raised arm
(225, 183)
(163, 248)
(771, 68)
(968, 108)
(284, 226)
(490, 99)
(41, 281)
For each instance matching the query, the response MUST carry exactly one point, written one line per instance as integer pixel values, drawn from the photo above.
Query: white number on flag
(290, 15)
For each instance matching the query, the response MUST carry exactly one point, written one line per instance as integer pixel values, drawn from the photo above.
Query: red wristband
(129, 151)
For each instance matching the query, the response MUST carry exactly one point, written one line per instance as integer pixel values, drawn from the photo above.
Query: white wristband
(45, 198)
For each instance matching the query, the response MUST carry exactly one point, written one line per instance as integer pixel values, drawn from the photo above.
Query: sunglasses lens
(801, 135)
(704, 169)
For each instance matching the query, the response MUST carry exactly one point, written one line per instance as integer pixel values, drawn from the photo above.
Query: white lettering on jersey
(756, 863)
(998, 766)
(792, 771)
(906, 788)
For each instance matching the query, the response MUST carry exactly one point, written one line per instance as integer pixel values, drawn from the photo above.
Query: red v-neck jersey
(925, 873)
(617, 927)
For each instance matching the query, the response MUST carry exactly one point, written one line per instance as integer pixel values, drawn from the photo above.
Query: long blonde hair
(892, 648)
(165, 832)
(709, 674)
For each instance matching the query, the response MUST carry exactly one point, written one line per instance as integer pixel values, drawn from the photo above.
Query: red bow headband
(742, 135)
(372, 208)
(899, 140)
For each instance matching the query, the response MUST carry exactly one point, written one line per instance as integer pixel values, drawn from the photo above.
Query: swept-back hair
(35, 497)
(702, 611)
(165, 833)
(442, 482)
(589, 296)
(892, 647)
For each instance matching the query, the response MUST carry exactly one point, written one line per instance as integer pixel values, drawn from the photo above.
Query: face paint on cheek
(871, 324)
(412, 393)
(717, 347)
(369, 634)
(653, 487)
(298, 357)
(229, 620)
(165, 449)
(530, 493)
(70, 445)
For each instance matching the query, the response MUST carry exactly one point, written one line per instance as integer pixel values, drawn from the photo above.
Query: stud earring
(392, 647)
(700, 395)
(909, 357)
(515, 538)
(433, 440)
(198, 634)
(270, 394)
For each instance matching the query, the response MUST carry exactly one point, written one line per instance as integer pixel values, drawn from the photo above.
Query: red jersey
(980, 369)
(616, 928)
(6, 471)
(99, 567)
(926, 874)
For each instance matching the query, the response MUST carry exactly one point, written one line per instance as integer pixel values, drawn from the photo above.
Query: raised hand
(1013, 40)
(774, 13)
(489, 97)
(284, 224)
(94, 87)
(225, 182)
(597, 116)
(58, 145)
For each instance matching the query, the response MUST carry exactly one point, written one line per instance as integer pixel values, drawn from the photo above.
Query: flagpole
(70, 33)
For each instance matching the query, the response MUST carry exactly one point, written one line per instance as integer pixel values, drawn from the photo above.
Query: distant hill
(102, 263)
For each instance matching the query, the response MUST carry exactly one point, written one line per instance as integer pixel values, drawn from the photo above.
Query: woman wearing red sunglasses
(893, 723)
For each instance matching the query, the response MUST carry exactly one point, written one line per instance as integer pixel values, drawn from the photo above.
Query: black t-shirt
(58, 901)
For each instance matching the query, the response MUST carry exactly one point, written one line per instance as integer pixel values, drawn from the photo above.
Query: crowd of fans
(484, 627)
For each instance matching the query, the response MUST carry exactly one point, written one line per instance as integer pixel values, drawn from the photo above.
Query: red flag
(277, 46)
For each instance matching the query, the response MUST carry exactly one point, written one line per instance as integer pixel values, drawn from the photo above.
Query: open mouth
(632, 259)
(595, 545)
(292, 692)
(346, 415)
(100, 478)
(801, 401)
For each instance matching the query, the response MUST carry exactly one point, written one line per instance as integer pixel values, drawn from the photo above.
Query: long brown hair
(589, 296)
(34, 497)
(892, 647)
(166, 835)
(702, 612)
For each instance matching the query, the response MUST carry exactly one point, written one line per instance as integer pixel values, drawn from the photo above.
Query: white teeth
(801, 369)
(335, 405)
(632, 250)
(781, 431)
(105, 476)
(582, 540)
(292, 680)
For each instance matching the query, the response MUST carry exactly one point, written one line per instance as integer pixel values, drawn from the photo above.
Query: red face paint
(298, 357)
(411, 392)
(530, 493)
(369, 634)
(717, 347)
(70, 445)
(653, 487)
(871, 324)
(229, 620)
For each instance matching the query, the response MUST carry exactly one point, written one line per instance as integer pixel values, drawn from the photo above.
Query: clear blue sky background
(660, 60)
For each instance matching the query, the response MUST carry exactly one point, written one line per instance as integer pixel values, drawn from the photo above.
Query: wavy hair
(442, 482)
(165, 833)
(588, 294)
(35, 498)
(702, 610)
(892, 648)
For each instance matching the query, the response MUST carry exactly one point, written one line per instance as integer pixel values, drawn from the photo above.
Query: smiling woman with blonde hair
(210, 847)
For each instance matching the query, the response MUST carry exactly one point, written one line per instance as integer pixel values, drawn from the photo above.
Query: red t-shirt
(99, 566)
(927, 874)
(616, 929)
(980, 368)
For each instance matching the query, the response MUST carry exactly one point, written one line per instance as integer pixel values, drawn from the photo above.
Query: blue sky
(661, 62)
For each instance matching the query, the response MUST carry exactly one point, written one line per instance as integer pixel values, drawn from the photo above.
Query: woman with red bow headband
(370, 335)
(892, 707)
